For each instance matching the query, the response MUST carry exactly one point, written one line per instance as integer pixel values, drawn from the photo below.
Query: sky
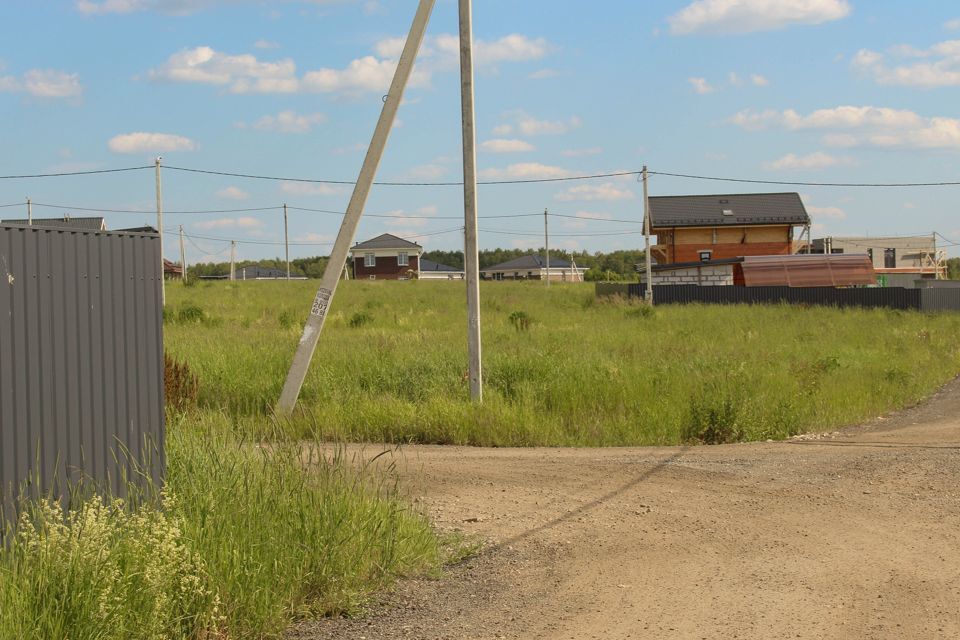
(791, 90)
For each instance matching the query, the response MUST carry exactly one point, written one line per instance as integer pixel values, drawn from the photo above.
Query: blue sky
(805, 90)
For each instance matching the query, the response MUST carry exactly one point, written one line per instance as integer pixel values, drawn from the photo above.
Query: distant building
(386, 257)
(898, 260)
(799, 270)
(92, 223)
(430, 270)
(172, 269)
(717, 227)
(534, 267)
(256, 272)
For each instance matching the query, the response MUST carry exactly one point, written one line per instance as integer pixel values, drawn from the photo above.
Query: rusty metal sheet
(816, 270)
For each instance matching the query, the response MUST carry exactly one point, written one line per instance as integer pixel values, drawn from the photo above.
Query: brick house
(385, 257)
(718, 227)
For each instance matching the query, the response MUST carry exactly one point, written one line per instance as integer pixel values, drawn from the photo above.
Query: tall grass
(247, 537)
(581, 371)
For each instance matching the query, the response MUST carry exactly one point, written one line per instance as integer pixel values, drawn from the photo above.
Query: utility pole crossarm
(368, 171)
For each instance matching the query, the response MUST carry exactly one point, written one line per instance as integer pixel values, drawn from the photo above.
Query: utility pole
(183, 258)
(233, 258)
(286, 239)
(163, 285)
(646, 234)
(546, 243)
(29, 213)
(471, 257)
(368, 171)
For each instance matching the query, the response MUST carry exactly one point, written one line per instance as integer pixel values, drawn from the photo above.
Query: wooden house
(386, 257)
(718, 227)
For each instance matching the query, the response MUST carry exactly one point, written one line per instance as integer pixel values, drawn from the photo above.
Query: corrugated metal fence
(889, 297)
(81, 360)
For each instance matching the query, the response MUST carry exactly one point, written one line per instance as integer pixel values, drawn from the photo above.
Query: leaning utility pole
(646, 234)
(471, 259)
(233, 259)
(368, 171)
(546, 243)
(29, 213)
(286, 239)
(183, 258)
(163, 286)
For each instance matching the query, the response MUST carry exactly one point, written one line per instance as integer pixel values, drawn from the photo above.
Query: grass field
(560, 366)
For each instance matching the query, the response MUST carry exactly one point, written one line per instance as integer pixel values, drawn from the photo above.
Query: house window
(705, 256)
(870, 253)
(889, 258)
(403, 259)
(369, 259)
(836, 251)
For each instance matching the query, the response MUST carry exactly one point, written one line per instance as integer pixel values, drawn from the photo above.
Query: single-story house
(172, 269)
(534, 267)
(256, 272)
(385, 257)
(898, 260)
(89, 223)
(717, 227)
(430, 270)
(799, 270)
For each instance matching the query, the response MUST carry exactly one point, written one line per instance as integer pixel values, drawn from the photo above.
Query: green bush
(360, 319)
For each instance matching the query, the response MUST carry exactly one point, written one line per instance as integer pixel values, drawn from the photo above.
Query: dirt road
(854, 534)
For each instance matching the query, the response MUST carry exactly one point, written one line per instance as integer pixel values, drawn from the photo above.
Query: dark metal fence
(81, 360)
(890, 297)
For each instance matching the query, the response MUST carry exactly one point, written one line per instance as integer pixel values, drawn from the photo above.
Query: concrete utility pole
(471, 254)
(546, 243)
(286, 239)
(29, 213)
(233, 259)
(163, 286)
(183, 257)
(646, 234)
(368, 171)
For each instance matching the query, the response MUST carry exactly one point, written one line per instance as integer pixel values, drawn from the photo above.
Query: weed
(180, 385)
(360, 319)
(520, 320)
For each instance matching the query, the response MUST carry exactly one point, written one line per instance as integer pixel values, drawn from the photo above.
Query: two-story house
(386, 257)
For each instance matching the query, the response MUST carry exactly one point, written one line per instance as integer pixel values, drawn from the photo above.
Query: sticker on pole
(321, 302)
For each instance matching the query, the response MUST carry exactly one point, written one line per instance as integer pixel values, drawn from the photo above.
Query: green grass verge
(560, 367)
(248, 538)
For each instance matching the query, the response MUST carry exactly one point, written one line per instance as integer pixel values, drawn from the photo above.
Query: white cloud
(319, 238)
(361, 75)
(939, 66)
(735, 79)
(530, 126)
(851, 126)
(357, 147)
(416, 219)
(746, 16)
(759, 80)
(909, 205)
(700, 85)
(265, 44)
(952, 25)
(232, 193)
(583, 217)
(310, 189)
(287, 122)
(238, 73)
(504, 145)
(503, 130)
(44, 83)
(90, 7)
(245, 222)
(524, 171)
(427, 171)
(605, 191)
(576, 153)
(833, 213)
(542, 74)
(811, 161)
(169, 7)
(144, 142)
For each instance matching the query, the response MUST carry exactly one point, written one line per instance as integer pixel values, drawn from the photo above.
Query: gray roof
(91, 224)
(430, 265)
(744, 208)
(386, 241)
(530, 262)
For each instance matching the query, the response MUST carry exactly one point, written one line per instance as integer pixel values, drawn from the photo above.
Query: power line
(404, 184)
(412, 216)
(106, 210)
(294, 242)
(567, 235)
(75, 173)
(13, 204)
(807, 184)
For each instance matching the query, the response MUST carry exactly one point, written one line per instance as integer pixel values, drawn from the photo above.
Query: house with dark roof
(534, 267)
(90, 223)
(385, 257)
(718, 227)
(430, 270)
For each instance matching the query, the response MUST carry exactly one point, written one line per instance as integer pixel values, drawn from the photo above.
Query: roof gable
(727, 210)
(430, 265)
(386, 241)
(529, 262)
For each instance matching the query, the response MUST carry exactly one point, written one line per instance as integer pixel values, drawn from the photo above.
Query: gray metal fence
(886, 297)
(81, 360)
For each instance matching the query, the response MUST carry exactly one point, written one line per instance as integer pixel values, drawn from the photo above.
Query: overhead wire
(62, 174)
(807, 184)
(148, 211)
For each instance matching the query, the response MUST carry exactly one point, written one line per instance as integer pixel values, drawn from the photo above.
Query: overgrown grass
(248, 538)
(586, 372)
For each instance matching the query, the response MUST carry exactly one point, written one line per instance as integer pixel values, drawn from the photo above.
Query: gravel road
(853, 534)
